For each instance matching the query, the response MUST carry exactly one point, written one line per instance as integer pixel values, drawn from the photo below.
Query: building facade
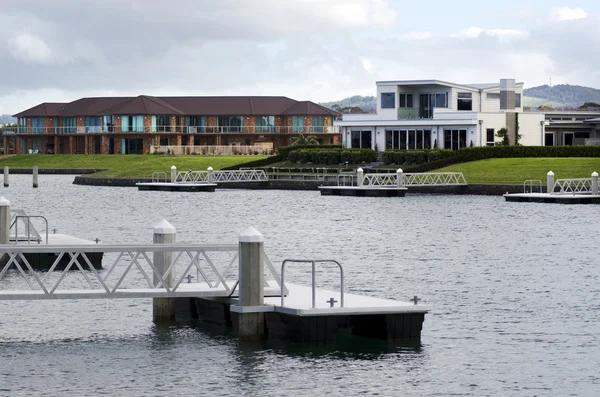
(424, 114)
(144, 124)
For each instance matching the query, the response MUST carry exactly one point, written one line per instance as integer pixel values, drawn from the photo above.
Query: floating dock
(363, 191)
(254, 298)
(177, 186)
(561, 191)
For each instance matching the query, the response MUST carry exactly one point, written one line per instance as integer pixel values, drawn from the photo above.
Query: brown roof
(43, 109)
(209, 106)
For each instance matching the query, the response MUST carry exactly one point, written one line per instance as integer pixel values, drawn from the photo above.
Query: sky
(318, 50)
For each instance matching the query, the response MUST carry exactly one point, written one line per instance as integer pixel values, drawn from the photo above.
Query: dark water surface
(514, 287)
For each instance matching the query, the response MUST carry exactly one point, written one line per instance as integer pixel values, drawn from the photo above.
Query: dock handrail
(29, 227)
(346, 176)
(531, 183)
(159, 177)
(313, 262)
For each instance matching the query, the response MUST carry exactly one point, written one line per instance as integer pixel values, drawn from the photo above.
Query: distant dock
(561, 191)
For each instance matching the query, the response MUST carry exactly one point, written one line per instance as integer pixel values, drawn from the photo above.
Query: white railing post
(35, 176)
(400, 177)
(251, 279)
(550, 182)
(210, 176)
(163, 308)
(4, 227)
(6, 173)
(595, 183)
(360, 177)
(4, 220)
(173, 174)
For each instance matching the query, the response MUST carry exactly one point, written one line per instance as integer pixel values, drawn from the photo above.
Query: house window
(37, 125)
(318, 123)
(493, 95)
(455, 139)
(465, 101)
(388, 100)
(109, 124)
(297, 123)
(92, 124)
(69, 124)
(490, 136)
(230, 123)
(132, 124)
(195, 124)
(405, 100)
(517, 100)
(163, 123)
(265, 123)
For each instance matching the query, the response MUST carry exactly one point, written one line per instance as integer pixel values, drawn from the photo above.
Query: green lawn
(517, 170)
(126, 165)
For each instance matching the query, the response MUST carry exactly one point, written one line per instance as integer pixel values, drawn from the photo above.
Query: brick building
(136, 125)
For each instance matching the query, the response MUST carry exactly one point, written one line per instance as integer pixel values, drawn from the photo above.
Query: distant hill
(562, 95)
(366, 103)
(7, 119)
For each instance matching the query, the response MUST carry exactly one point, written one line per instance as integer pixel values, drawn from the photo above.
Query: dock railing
(313, 277)
(532, 183)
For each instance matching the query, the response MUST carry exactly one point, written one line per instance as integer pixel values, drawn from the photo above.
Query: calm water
(514, 288)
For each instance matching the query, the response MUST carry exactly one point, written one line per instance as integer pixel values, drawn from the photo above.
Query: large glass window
(163, 123)
(297, 123)
(69, 124)
(455, 139)
(92, 124)
(109, 123)
(517, 100)
(265, 123)
(408, 139)
(195, 124)
(388, 100)
(22, 124)
(230, 123)
(132, 123)
(405, 100)
(429, 101)
(37, 125)
(465, 101)
(318, 123)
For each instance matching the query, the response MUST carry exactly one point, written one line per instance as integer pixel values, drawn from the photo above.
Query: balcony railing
(94, 130)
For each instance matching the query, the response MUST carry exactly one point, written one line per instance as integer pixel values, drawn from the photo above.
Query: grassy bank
(517, 170)
(126, 165)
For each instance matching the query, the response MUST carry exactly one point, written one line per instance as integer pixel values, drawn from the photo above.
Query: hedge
(284, 151)
(332, 156)
(446, 157)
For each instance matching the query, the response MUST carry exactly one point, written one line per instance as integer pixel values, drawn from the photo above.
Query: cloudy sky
(319, 50)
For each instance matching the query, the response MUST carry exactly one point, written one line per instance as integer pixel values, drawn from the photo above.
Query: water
(514, 289)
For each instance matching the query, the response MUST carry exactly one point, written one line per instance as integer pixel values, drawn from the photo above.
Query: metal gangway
(195, 270)
(400, 179)
(573, 186)
(211, 176)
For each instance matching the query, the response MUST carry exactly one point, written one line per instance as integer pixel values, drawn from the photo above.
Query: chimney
(507, 94)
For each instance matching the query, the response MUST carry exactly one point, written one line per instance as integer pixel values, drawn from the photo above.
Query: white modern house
(424, 114)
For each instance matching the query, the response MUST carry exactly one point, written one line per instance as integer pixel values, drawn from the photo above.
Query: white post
(210, 174)
(163, 308)
(4, 220)
(595, 183)
(360, 176)
(5, 176)
(173, 173)
(400, 177)
(4, 227)
(35, 176)
(251, 288)
(550, 182)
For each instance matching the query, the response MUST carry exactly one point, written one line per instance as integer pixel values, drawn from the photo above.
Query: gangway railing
(532, 183)
(346, 179)
(221, 176)
(572, 186)
(414, 179)
(131, 272)
(313, 276)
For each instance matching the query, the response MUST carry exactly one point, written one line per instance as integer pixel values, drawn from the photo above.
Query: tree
(503, 134)
(590, 105)
(546, 108)
(303, 139)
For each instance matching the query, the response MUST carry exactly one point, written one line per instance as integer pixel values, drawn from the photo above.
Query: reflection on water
(513, 286)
